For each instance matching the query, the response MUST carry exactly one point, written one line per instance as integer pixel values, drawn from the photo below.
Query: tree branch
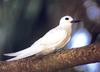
(52, 62)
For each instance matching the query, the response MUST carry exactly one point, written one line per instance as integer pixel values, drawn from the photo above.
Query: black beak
(75, 21)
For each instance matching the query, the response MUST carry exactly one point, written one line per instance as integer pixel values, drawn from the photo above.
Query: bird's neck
(65, 27)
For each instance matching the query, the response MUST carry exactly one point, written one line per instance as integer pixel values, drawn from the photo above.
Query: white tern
(54, 39)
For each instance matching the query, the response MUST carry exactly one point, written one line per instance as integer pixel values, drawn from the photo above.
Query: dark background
(22, 22)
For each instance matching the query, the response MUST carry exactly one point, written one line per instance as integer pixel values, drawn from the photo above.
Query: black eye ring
(66, 18)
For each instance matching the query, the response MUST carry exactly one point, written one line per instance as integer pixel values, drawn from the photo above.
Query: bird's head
(68, 21)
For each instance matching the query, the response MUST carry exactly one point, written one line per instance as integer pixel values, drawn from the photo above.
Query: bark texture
(55, 61)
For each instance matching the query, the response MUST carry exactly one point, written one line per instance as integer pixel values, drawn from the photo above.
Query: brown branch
(64, 59)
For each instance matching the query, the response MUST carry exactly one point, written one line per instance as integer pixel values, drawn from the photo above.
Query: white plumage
(54, 39)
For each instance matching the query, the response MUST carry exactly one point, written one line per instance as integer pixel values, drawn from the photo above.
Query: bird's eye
(66, 18)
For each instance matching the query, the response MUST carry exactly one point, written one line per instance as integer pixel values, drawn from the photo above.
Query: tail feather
(12, 54)
(20, 57)
(26, 52)
(15, 54)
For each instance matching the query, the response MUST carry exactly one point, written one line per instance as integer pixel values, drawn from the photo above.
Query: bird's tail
(23, 53)
(14, 54)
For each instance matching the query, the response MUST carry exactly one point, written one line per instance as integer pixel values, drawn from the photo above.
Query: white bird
(54, 39)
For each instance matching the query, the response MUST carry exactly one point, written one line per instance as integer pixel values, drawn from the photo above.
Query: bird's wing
(53, 37)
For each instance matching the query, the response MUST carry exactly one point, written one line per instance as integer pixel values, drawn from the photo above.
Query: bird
(53, 40)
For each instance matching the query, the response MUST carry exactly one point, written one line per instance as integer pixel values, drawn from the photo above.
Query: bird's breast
(63, 39)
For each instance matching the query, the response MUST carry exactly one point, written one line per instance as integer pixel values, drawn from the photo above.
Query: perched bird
(54, 39)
